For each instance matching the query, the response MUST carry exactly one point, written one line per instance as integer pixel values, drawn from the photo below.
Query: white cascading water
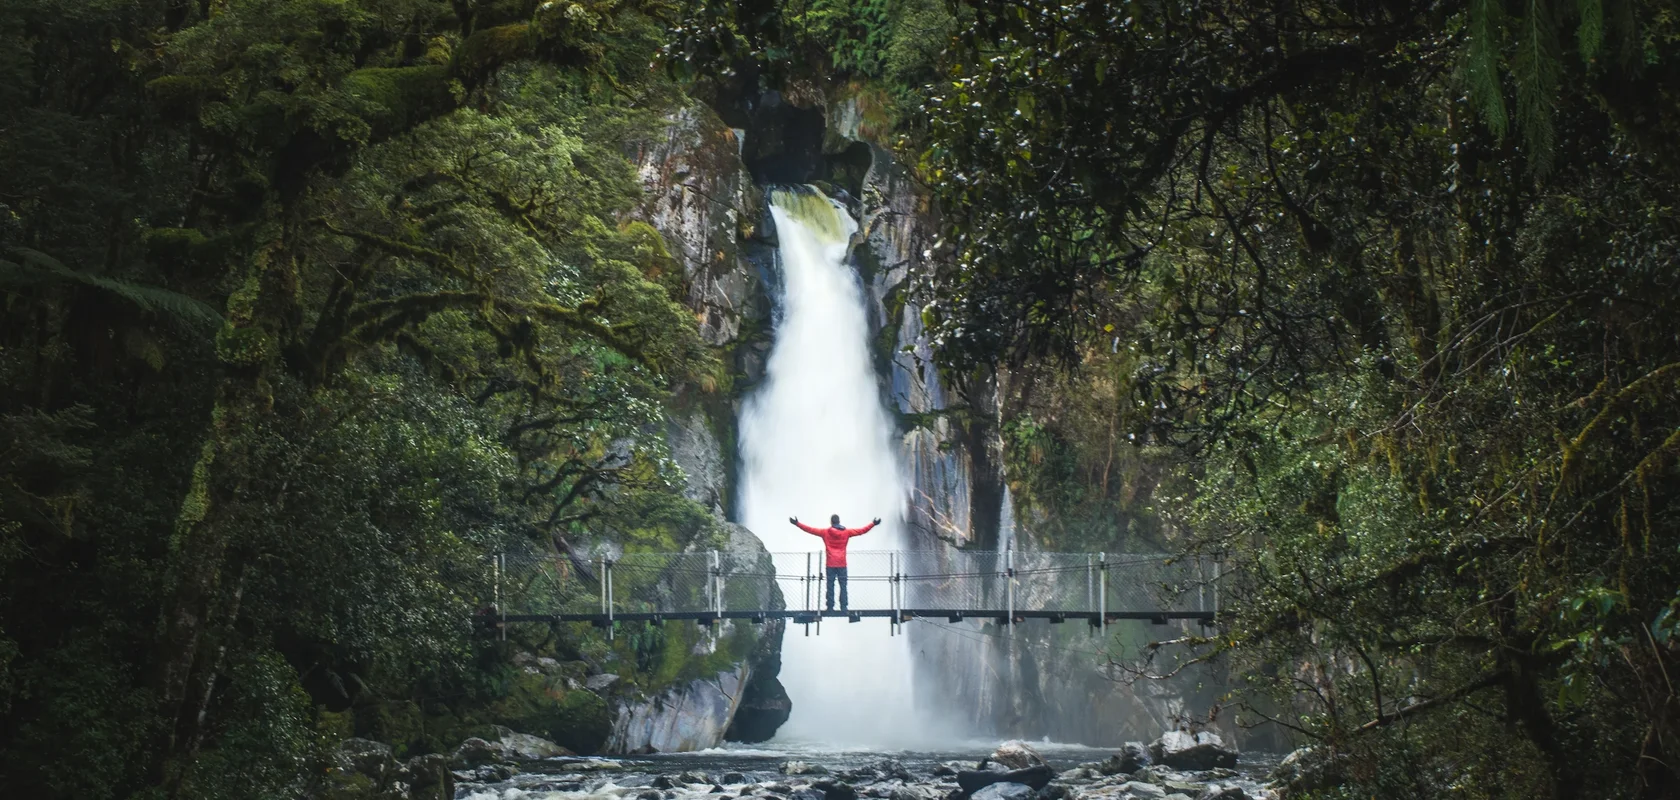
(815, 441)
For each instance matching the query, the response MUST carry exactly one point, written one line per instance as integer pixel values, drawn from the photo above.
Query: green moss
(392, 98)
(243, 347)
(487, 49)
(541, 705)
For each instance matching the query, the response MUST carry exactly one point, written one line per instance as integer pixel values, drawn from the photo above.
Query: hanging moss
(487, 49)
(393, 98)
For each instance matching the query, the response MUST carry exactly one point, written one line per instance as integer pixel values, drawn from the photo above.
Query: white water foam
(815, 441)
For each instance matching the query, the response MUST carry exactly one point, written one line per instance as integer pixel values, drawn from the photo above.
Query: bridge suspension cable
(1007, 586)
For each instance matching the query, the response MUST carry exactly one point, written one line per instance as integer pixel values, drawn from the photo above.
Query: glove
(877, 521)
(794, 520)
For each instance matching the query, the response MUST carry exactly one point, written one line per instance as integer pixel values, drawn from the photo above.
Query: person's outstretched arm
(865, 529)
(806, 528)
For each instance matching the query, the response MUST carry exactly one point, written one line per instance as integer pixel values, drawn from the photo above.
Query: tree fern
(1589, 36)
(1481, 64)
(1535, 67)
(34, 267)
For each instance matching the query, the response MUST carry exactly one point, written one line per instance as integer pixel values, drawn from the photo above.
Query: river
(740, 771)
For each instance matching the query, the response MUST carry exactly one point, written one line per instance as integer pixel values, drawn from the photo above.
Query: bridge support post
(717, 585)
(892, 592)
(1201, 583)
(1218, 572)
(1102, 595)
(806, 579)
(1090, 581)
(1009, 583)
(609, 566)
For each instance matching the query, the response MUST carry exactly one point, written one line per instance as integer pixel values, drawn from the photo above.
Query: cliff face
(705, 178)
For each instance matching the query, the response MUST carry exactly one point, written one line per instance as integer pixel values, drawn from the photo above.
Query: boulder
(948, 769)
(428, 777)
(525, 747)
(1217, 792)
(1181, 750)
(1037, 777)
(732, 778)
(1005, 791)
(807, 794)
(1017, 755)
(835, 790)
(475, 752)
(601, 682)
(1307, 769)
(802, 768)
(1132, 757)
(912, 792)
(693, 776)
(1057, 791)
(366, 757)
(1148, 791)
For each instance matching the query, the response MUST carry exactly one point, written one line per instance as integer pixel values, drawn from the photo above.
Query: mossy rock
(575, 719)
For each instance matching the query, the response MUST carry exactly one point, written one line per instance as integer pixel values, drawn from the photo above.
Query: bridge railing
(965, 581)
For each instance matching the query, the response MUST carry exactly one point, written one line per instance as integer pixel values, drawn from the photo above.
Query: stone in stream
(835, 790)
(428, 777)
(948, 769)
(1147, 791)
(1181, 750)
(1005, 791)
(1217, 792)
(732, 778)
(802, 768)
(806, 794)
(526, 747)
(1132, 757)
(973, 780)
(1017, 755)
(475, 752)
(650, 794)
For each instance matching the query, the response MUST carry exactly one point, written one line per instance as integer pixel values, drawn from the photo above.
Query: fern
(1481, 65)
(1535, 66)
(34, 267)
(1589, 36)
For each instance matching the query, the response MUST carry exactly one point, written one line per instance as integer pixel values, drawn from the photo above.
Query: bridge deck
(899, 586)
(903, 615)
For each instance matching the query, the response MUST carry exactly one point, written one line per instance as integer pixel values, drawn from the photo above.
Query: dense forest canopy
(308, 306)
(1390, 287)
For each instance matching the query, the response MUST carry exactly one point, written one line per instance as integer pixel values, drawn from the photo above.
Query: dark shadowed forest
(308, 308)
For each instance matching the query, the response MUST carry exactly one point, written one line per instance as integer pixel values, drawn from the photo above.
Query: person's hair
(834, 519)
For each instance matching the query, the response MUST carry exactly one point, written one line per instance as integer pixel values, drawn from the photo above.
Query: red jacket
(834, 540)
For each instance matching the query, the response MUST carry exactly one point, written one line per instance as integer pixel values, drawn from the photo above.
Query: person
(834, 541)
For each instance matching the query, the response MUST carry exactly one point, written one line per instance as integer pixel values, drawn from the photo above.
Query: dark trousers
(836, 573)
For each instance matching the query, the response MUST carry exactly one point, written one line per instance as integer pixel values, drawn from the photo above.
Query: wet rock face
(691, 716)
(703, 201)
(1202, 750)
(764, 707)
(363, 768)
(1017, 755)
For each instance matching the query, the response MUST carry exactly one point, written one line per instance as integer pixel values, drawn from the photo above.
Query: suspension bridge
(900, 586)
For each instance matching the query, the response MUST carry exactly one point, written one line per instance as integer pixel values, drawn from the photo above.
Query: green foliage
(1409, 370)
(436, 335)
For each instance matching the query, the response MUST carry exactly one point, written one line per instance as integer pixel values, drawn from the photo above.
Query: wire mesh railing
(724, 584)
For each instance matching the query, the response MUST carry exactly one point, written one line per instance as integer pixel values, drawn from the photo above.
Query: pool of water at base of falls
(754, 771)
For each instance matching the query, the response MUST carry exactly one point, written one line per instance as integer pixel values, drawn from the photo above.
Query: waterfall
(816, 441)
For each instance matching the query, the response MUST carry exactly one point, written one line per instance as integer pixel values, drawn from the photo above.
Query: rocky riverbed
(1014, 771)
